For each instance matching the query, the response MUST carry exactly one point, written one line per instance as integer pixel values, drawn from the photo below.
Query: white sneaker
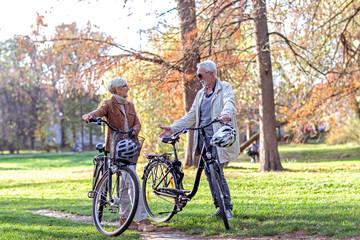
(217, 211)
(229, 215)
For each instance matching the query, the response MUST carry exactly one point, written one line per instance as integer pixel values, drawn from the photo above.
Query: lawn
(318, 193)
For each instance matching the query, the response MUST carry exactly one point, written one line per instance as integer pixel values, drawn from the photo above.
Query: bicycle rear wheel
(113, 215)
(216, 186)
(159, 207)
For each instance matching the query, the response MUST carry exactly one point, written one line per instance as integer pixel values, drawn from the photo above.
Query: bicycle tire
(113, 216)
(216, 186)
(160, 208)
(100, 172)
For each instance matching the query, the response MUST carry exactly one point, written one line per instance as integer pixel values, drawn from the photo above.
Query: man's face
(204, 77)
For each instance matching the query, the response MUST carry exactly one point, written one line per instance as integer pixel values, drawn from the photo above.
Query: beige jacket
(222, 103)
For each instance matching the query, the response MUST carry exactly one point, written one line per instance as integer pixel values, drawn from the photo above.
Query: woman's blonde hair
(115, 83)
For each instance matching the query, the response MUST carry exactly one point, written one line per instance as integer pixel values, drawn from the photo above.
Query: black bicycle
(162, 186)
(115, 188)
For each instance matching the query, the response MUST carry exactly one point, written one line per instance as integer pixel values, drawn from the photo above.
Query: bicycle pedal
(184, 198)
(160, 213)
(91, 194)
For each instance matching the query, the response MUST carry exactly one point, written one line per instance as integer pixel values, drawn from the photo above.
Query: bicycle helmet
(224, 137)
(126, 149)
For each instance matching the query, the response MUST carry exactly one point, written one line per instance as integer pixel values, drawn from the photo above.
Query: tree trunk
(269, 155)
(63, 137)
(82, 136)
(91, 139)
(187, 15)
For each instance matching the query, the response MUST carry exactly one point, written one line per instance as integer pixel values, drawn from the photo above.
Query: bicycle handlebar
(184, 130)
(98, 121)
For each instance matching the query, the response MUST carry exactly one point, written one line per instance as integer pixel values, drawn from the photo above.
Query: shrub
(347, 131)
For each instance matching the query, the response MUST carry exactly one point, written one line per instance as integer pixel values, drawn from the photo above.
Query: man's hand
(166, 133)
(225, 118)
(86, 117)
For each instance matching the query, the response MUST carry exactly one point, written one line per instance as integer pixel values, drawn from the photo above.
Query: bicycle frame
(108, 165)
(206, 158)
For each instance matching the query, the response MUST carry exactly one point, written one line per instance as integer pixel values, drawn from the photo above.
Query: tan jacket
(110, 109)
(223, 102)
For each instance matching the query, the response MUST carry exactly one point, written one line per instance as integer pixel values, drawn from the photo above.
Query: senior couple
(215, 99)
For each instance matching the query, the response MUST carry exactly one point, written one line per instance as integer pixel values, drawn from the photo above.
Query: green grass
(318, 193)
(46, 181)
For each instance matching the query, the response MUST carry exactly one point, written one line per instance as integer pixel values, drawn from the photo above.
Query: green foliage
(318, 194)
(346, 131)
(153, 110)
(24, 109)
(75, 105)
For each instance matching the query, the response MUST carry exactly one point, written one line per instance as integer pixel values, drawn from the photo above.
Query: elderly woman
(121, 114)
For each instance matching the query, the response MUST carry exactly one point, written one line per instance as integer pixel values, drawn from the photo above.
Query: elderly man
(216, 99)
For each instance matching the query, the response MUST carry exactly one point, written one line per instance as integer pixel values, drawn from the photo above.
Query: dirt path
(163, 233)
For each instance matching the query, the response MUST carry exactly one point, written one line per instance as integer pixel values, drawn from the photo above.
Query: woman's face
(122, 91)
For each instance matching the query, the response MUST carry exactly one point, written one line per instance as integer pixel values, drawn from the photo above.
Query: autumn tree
(225, 33)
(318, 61)
(23, 101)
(62, 60)
(300, 64)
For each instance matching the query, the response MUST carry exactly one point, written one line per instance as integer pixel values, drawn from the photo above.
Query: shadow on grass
(320, 155)
(39, 184)
(26, 225)
(46, 161)
(268, 220)
(232, 167)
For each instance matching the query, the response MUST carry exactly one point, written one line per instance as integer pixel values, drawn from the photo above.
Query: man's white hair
(115, 83)
(209, 66)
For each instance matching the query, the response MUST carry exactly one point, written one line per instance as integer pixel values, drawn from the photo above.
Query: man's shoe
(133, 225)
(146, 226)
(217, 212)
(229, 215)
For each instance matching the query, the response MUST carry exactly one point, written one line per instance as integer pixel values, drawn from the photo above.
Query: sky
(121, 21)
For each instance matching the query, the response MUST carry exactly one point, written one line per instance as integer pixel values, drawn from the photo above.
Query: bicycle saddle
(100, 147)
(170, 139)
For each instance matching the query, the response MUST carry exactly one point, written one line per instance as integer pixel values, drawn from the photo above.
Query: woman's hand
(86, 117)
(166, 133)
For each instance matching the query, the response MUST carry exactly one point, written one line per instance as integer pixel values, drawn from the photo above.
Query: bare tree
(187, 16)
(269, 155)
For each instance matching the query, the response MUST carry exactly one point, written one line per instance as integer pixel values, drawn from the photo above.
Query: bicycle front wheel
(218, 193)
(114, 208)
(159, 206)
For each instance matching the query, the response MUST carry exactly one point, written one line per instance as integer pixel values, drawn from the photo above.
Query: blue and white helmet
(224, 137)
